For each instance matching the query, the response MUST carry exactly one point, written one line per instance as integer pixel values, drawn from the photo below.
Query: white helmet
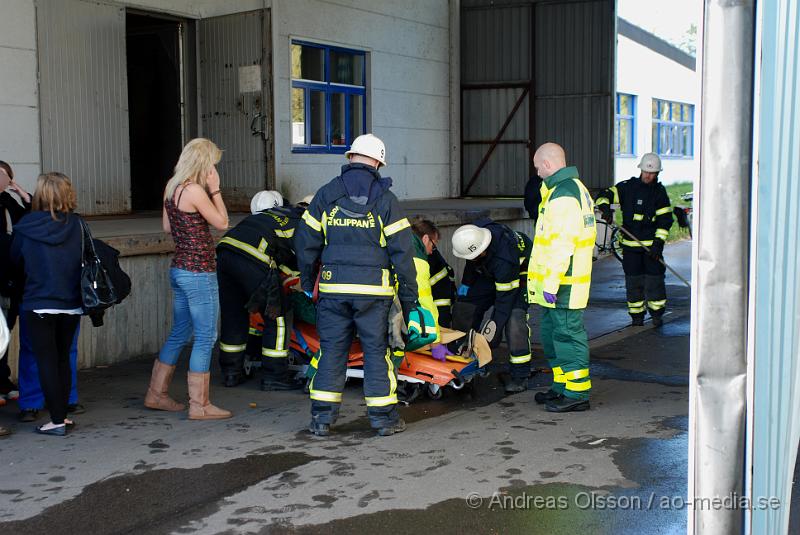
(368, 145)
(469, 241)
(650, 163)
(264, 200)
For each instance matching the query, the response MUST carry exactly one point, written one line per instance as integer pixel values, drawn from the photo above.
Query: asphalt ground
(475, 461)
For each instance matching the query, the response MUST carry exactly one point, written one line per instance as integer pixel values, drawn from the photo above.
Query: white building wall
(19, 101)
(408, 84)
(408, 99)
(648, 75)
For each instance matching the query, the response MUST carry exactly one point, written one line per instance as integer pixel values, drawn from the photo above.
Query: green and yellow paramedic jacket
(266, 237)
(561, 261)
(363, 249)
(443, 286)
(646, 210)
(424, 282)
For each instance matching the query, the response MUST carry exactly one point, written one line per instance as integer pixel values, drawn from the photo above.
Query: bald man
(559, 276)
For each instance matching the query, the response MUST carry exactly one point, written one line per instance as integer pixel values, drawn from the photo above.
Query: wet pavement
(476, 461)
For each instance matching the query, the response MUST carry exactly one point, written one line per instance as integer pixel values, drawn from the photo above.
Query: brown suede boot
(157, 396)
(199, 406)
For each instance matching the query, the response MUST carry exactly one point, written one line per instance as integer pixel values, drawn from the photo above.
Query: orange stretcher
(417, 369)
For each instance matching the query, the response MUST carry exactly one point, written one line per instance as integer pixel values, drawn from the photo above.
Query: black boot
(397, 427)
(565, 404)
(319, 429)
(637, 320)
(543, 397)
(270, 384)
(515, 386)
(233, 379)
(658, 321)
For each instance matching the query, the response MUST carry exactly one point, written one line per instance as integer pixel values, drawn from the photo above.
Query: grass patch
(675, 191)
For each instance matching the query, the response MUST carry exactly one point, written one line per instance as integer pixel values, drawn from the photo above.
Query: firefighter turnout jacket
(363, 249)
(505, 263)
(646, 210)
(266, 237)
(561, 262)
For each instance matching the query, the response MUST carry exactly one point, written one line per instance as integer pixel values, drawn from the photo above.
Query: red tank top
(194, 246)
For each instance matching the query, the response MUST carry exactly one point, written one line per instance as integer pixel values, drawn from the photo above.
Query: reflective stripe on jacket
(362, 248)
(424, 282)
(646, 210)
(561, 261)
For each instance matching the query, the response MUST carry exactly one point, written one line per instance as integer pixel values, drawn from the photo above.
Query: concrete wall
(19, 100)
(407, 88)
(668, 81)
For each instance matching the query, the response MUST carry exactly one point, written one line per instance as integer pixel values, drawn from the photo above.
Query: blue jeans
(195, 309)
(30, 390)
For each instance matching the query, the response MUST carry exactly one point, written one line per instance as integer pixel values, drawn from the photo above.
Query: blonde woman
(192, 202)
(47, 242)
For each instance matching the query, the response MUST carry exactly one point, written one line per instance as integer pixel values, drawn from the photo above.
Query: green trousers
(566, 348)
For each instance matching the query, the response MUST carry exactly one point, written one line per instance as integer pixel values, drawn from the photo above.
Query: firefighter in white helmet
(647, 214)
(495, 275)
(358, 234)
(253, 258)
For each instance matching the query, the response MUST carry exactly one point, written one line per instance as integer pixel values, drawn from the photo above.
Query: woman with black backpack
(47, 243)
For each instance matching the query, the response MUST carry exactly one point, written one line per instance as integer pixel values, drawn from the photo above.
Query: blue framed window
(329, 97)
(673, 129)
(625, 126)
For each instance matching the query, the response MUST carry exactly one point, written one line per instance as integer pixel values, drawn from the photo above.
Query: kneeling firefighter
(356, 229)
(249, 258)
(495, 275)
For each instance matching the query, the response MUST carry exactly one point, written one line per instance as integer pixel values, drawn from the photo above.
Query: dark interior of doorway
(154, 103)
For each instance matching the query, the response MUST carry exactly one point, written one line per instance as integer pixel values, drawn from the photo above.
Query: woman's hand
(20, 191)
(212, 181)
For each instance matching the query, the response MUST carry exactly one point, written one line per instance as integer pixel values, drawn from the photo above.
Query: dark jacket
(355, 227)
(11, 278)
(50, 252)
(506, 263)
(264, 237)
(646, 210)
(533, 197)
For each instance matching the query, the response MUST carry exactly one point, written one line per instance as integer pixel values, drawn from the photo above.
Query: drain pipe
(718, 374)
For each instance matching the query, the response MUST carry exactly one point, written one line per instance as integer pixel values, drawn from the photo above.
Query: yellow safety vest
(561, 260)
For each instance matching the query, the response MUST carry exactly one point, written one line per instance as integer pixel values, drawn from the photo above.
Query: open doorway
(153, 47)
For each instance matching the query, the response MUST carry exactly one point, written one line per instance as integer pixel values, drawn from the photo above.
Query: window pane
(616, 136)
(664, 111)
(625, 137)
(655, 109)
(298, 117)
(337, 119)
(687, 140)
(347, 68)
(676, 111)
(687, 113)
(625, 105)
(317, 118)
(357, 126)
(655, 139)
(308, 62)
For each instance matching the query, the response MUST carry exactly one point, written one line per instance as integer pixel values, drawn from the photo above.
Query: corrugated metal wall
(776, 395)
(564, 52)
(84, 100)
(574, 81)
(226, 44)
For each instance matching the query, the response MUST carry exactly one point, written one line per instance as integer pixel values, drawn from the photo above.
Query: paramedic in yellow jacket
(559, 276)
